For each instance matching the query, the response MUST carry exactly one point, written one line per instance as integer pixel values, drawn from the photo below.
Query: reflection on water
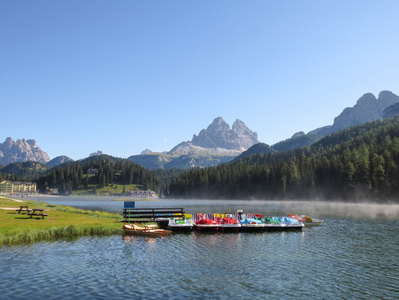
(340, 259)
(349, 256)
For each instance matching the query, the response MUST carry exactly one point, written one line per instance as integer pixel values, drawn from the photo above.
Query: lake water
(353, 255)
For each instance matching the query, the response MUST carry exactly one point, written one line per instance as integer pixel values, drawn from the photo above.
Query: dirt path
(10, 208)
(12, 199)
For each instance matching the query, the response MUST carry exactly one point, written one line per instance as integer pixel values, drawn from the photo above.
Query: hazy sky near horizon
(122, 76)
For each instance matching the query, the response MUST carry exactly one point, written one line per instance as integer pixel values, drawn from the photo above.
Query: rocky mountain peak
(367, 109)
(99, 152)
(240, 128)
(218, 122)
(298, 134)
(146, 151)
(32, 143)
(218, 125)
(366, 99)
(220, 135)
(387, 98)
(9, 141)
(20, 151)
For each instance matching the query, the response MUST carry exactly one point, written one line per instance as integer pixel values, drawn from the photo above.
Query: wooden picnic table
(37, 212)
(23, 208)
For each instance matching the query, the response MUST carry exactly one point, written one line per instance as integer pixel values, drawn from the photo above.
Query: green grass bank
(109, 190)
(62, 221)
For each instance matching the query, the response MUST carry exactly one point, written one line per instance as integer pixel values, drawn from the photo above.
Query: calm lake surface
(353, 255)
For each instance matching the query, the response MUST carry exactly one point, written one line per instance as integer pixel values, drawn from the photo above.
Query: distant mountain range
(219, 143)
(58, 160)
(367, 109)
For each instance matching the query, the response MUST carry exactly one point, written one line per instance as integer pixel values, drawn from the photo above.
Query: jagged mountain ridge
(20, 151)
(367, 109)
(219, 135)
(219, 139)
(216, 144)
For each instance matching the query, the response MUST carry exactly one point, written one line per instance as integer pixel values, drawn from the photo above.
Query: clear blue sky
(122, 76)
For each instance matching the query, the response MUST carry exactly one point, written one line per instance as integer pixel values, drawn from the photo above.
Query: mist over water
(313, 208)
(341, 209)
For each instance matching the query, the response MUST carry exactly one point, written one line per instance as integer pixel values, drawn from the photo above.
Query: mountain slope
(25, 169)
(368, 108)
(152, 161)
(59, 160)
(357, 163)
(259, 148)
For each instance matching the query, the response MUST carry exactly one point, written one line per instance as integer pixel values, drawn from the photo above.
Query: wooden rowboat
(147, 230)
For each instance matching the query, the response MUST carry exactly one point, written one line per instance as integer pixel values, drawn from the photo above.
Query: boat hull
(229, 227)
(283, 227)
(140, 231)
(181, 228)
(310, 221)
(314, 223)
(206, 228)
(252, 227)
(186, 225)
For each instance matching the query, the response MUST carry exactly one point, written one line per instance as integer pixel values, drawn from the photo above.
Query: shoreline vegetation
(134, 199)
(77, 196)
(61, 222)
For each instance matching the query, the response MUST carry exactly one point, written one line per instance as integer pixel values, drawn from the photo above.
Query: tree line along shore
(357, 163)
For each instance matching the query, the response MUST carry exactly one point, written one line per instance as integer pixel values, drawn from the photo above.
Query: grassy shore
(62, 221)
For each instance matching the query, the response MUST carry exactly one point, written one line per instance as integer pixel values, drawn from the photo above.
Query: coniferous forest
(354, 164)
(357, 163)
(109, 170)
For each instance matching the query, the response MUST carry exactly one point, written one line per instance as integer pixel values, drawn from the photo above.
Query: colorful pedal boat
(282, 224)
(206, 225)
(229, 225)
(177, 225)
(252, 225)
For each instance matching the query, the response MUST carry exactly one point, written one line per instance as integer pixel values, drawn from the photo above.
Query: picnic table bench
(37, 212)
(23, 208)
